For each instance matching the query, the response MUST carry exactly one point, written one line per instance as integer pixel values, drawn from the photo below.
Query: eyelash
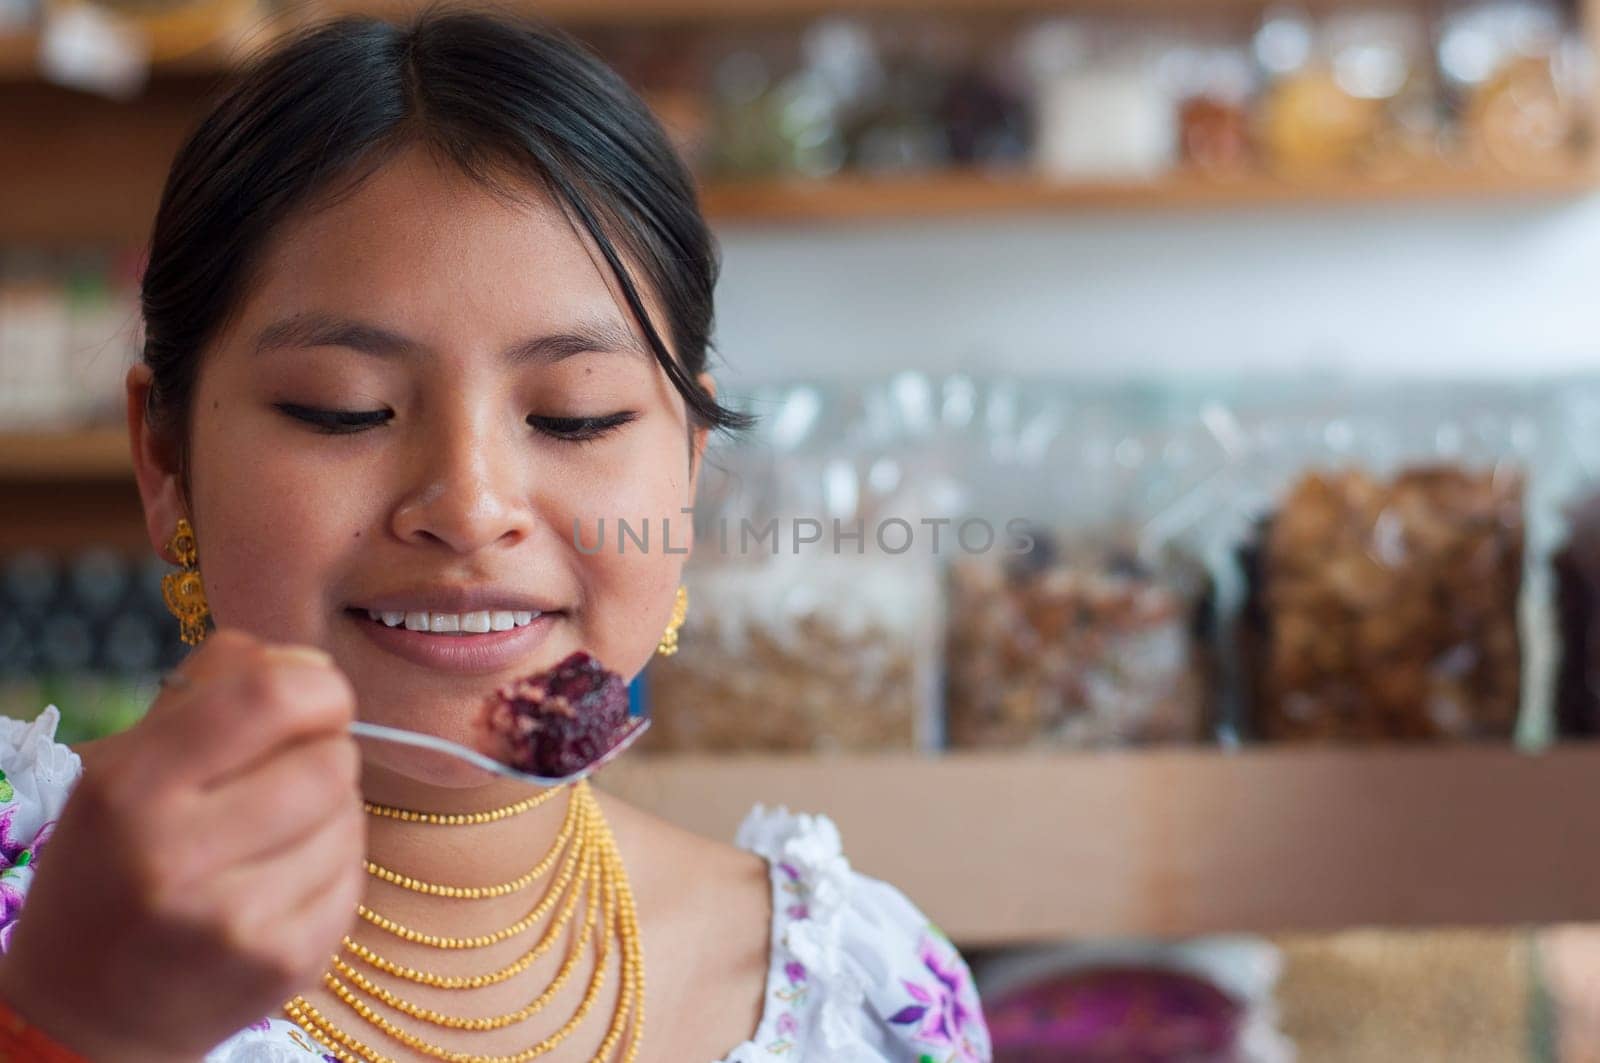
(348, 422)
(580, 429)
(335, 422)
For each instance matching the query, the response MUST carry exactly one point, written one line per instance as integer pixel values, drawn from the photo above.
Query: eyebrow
(599, 335)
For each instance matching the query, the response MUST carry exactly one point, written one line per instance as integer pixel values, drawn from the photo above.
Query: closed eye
(335, 422)
(581, 429)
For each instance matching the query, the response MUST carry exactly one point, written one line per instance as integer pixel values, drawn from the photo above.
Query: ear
(155, 466)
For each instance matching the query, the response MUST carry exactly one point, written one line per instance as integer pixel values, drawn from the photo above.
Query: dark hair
(497, 96)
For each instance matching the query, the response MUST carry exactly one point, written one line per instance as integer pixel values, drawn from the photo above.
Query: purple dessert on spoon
(561, 720)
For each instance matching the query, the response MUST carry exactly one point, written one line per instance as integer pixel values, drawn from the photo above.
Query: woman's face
(511, 396)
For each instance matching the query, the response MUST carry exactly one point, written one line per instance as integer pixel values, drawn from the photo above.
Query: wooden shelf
(1004, 848)
(19, 52)
(100, 454)
(125, 218)
(965, 194)
(645, 12)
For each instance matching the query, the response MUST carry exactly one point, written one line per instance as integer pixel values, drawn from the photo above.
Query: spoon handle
(401, 736)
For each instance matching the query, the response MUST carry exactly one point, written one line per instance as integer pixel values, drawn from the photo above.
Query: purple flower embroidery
(789, 869)
(10, 904)
(799, 911)
(15, 854)
(796, 971)
(943, 1011)
(10, 845)
(787, 1026)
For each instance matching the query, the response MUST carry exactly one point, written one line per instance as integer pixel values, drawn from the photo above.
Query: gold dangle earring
(185, 594)
(680, 609)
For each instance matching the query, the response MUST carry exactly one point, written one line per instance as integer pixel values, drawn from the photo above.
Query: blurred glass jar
(1312, 119)
(1520, 79)
(897, 126)
(1381, 58)
(985, 119)
(1520, 121)
(770, 125)
(1215, 86)
(1102, 111)
(743, 140)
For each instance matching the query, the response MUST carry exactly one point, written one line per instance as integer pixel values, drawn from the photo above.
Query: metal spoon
(400, 736)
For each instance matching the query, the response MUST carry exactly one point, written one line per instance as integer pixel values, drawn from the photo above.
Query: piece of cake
(559, 721)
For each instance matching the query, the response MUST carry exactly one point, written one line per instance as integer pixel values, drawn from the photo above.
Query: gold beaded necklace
(459, 819)
(590, 868)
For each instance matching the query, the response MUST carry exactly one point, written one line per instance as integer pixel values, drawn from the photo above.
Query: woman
(422, 303)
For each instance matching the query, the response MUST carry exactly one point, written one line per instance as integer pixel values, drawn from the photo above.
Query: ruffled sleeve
(269, 1041)
(858, 973)
(37, 774)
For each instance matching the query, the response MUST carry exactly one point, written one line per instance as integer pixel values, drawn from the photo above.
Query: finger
(326, 911)
(227, 724)
(271, 807)
(177, 684)
(260, 902)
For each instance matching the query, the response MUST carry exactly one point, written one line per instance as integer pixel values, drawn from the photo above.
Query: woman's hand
(205, 866)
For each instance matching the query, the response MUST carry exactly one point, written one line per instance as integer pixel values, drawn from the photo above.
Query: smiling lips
(474, 642)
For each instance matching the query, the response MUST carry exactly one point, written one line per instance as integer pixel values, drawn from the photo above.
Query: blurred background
(1272, 328)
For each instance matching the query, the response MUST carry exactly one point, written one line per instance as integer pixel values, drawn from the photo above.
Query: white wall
(1461, 289)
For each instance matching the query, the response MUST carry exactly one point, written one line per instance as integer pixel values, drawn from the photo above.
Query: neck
(476, 854)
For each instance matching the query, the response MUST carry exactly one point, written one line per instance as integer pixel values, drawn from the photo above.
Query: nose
(466, 488)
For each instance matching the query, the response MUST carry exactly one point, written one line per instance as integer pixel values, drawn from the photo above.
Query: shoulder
(860, 973)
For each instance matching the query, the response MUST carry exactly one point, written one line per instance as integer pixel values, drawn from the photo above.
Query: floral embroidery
(944, 1010)
(14, 856)
(10, 905)
(795, 991)
(794, 994)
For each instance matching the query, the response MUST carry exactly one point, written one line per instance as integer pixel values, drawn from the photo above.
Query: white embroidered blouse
(857, 973)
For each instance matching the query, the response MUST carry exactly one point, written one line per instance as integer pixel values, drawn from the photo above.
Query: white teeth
(482, 621)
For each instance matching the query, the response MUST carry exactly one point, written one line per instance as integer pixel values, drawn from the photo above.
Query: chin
(426, 768)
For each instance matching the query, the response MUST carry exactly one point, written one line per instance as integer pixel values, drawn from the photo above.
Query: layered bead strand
(590, 872)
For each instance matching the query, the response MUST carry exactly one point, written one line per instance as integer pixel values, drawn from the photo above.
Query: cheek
(628, 602)
(628, 592)
(270, 535)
